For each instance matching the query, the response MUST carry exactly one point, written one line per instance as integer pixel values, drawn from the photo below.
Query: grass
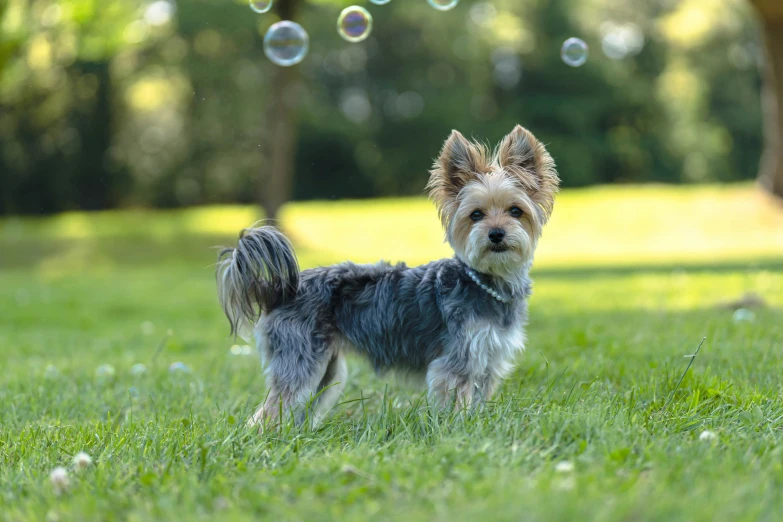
(627, 283)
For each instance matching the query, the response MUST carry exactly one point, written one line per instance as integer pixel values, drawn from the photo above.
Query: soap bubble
(380, 2)
(574, 52)
(261, 6)
(286, 43)
(743, 315)
(179, 367)
(443, 5)
(138, 369)
(354, 23)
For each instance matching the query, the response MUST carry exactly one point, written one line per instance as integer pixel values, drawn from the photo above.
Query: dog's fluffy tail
(260, 274)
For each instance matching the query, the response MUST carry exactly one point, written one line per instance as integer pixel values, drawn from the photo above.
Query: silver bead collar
(484, 287)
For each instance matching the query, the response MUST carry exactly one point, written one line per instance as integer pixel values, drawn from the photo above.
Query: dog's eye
(515, 212)
(476, 215)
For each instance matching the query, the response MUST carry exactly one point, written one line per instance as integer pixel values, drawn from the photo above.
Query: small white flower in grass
(708, 435)
(82, 461)
(59, 479)
(179, 367)
(743, 315)
(104, 371)
(148, 328)
(564, 466)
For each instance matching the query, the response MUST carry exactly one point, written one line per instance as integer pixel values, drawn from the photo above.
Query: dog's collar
(474, 276)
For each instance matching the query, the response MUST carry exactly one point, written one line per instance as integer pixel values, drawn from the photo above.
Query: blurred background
(164, 103)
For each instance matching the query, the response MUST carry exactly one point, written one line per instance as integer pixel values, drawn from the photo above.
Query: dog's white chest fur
(492, 347)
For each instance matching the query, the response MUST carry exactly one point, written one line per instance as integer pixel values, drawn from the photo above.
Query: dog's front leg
(451, 377)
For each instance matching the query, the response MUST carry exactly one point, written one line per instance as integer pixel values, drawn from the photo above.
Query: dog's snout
(496, 235)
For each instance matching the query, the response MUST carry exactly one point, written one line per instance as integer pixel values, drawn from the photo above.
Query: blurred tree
(280, 122)
(771, 173)
(164, 103)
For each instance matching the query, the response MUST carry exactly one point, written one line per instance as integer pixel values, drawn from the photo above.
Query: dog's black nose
(496, 235)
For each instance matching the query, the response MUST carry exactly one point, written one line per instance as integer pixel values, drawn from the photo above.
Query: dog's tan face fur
(494, 205)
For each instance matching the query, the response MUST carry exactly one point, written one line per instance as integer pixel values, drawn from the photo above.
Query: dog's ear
(522, 156)
(460, 161)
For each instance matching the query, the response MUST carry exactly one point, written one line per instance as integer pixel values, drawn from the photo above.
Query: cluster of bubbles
(286, 43)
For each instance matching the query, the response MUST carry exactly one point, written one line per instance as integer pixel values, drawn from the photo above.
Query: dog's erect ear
(521, 155)
(460, 161)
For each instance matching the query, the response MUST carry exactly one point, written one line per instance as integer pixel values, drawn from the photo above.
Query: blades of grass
(693, 357)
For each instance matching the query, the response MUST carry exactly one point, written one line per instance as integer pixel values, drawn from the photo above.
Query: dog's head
(494, 205)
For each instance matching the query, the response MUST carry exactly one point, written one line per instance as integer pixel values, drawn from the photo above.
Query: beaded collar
(484, 287)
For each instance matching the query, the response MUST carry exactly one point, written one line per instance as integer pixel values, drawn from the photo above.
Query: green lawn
(627, 283)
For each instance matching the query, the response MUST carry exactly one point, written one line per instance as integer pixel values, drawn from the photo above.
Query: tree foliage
(108, 104)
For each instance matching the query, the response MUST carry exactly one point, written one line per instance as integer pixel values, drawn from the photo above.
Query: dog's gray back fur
(399, 317)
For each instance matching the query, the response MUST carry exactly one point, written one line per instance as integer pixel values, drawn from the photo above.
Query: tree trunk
(280, 132)
(771, 171)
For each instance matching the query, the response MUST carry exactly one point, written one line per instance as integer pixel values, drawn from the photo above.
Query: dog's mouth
(498, 248)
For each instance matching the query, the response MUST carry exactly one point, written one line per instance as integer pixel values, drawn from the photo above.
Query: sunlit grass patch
(599, 226)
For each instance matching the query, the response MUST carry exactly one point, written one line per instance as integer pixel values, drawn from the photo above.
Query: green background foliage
(106, 104)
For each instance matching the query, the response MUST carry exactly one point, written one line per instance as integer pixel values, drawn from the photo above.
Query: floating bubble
(104, 371)
(179, 367)
(380, 2)
(574, 52)
(286, 43)
(138, 369)
(260, 6)
(236, 350)
(743, 315)
(443, 5)
(246, 350)
(354, 23)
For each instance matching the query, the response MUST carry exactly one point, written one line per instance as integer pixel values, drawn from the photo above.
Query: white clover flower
(82, 461)
(59, 479)
(564, 466)
(708, 435)
(104, 371)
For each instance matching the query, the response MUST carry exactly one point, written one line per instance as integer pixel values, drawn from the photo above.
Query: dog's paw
(259, 420)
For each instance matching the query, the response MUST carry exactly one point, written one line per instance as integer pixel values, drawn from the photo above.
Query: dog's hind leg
(300, 367)
(331, 387)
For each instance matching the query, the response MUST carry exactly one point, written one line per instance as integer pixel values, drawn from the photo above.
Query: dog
(457, 323)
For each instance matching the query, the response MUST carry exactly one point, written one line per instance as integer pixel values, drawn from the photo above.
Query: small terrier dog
(458, 322)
